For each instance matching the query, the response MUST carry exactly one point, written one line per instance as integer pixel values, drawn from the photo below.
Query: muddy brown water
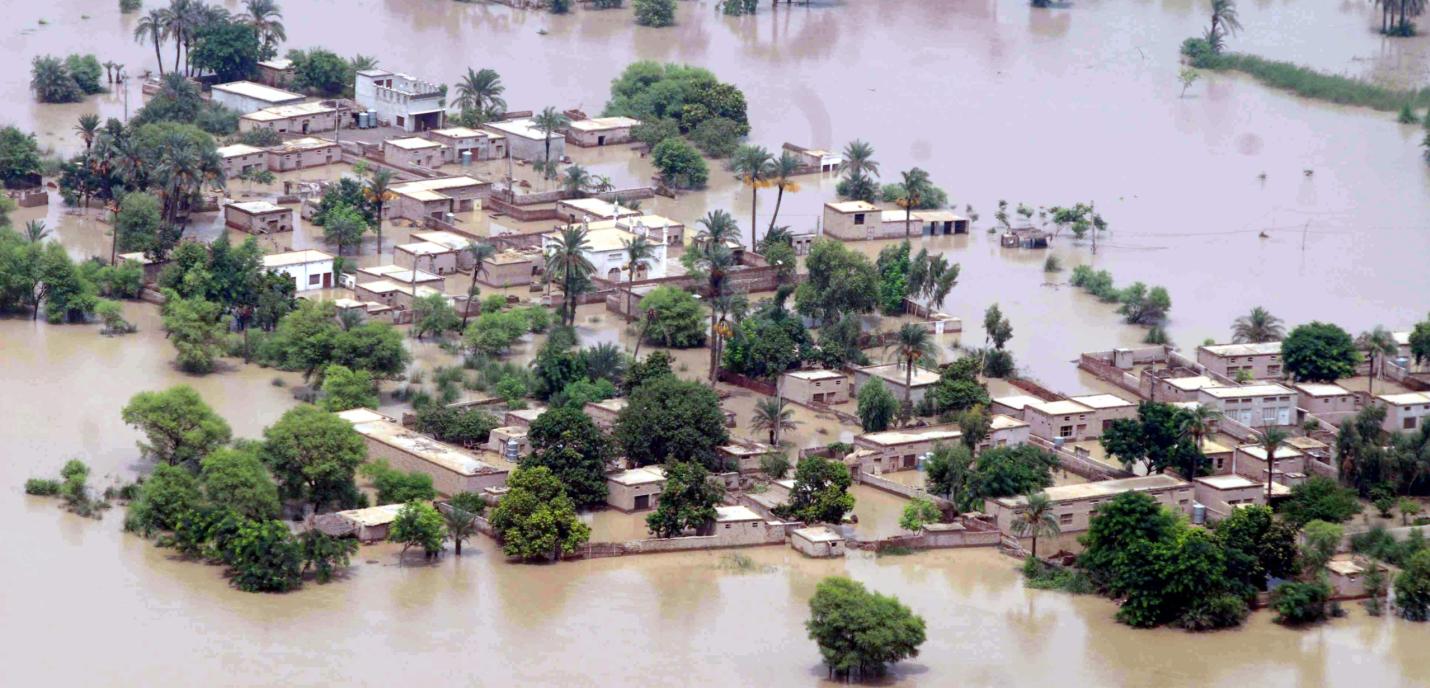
(997, 101)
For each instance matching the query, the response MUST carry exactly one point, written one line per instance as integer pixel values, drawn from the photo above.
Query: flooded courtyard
(997, 101)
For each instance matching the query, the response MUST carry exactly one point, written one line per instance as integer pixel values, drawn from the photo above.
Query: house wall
(850, 226)
(623, 497)
(258, 223)
(430, 158)
(305, 274)
(507, 274)
(236, 165)
(301, 124)
(1073, 427)
(1220, 503)
(1332, 409)
(1075, 515)
(896, 388)
(890, 458)
(1255, 468)
(593, 138)
(241, 103)
(435, 263)
(825, 391)
(446, 481)
(297, 160)
(818, 550)
(534, 150)
(1404, 417)
(603, 417)
(1008, 437)
(1261, 366)
(1255, 412)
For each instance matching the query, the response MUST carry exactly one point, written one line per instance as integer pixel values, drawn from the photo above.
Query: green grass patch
(1044, 576)
(1307, 82)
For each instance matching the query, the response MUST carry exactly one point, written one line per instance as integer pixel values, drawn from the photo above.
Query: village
(529, 328)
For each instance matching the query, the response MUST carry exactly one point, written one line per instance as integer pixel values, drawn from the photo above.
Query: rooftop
(1344, 567)
(602, 240)
(278, 260)
(726, 514)
(426, 248)
(278, 112)
(599, 209)
(1059, 408)
(237, 149)
(1405, 399)
(1017, 401)
(458, 133)
(894, 373)
(524, 128)
(1321, 390)
(440, 454)
(256, 207)
(1256, 451)
(1245, 391)
(249, 89)
(638, 476)
(815, 374)
(510, 256)
(1102, 488)
(745, 449)
(1102, 401)
(449, 239)
(819, 534)
(441, 184)
(399, 273)
(933, 433)
(1306, 443)
(1230, 481)
(1001, 422)
(1193, 383)
(373, 515)
(1243, 349)
(412, 143)
(303, 144)
(276, 63)
(851, 206)
(604, 123)
(613, 405)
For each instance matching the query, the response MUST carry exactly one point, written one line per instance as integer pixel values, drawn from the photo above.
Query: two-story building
(309, 269)
(461, 145)
(1074, 505)
(526, 141)
(1255, 406)
(814, 386)
(1405, 412)
(400, 100)
(1259, 361)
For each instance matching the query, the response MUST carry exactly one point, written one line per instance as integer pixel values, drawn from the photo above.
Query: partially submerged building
(1222, 494)
(744, 456)
(526, 141)
(399, 274)
(461, 145)
(513, 268)
(426, 255)
(246, 96)
(636, 489)
(606, 251)
(309, 269)
(400, 100)
(239, 158)
(300, 118)
(817, 541)
(603, 413)
(258, 217)
(1074, 505)
(899, 450)
(413, 151)
(436, 198)
(591, 210)
(1259, 361)
(600, 131)
(302, 153)
(814, 386)
(452, 469)
(1255, 406)
(896, 379)
(368, 525)
(851, 220)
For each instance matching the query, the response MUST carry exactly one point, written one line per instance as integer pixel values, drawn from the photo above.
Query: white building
(400, 100)
(247, 96)
(1404, 412)
(524, 141)
(607, 253)
(309, 269)
(1255, 406)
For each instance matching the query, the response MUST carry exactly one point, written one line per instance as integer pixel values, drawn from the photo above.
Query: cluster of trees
(1162, 436)
(37, 276)
(209, 40)
(954, 472)
(1373, 461)
(73, 487)
(323, 73)
(311, 338)
(65, 81)
(914, 190)
(860, 633)
(655, 13)
(1140, 305)
(221, 501)
(1412, 585)
(768, 341)
(674, 101)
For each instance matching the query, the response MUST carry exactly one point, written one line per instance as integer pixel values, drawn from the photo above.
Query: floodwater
(996, 100)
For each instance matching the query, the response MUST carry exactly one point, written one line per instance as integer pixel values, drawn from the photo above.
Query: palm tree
(566, 261)
(637, 249)
(858, 160)
(912, 343)
(1257, 327)
(379, 191)
(480, 253)
(940, 280)
(181, 22)
(1270, 440)
(461, 525)
(1197, 424)
(772, 416)
(1224, 23)
(576, 181)
(712, 259)
(782, 171)
(549, 121)
(480, 91)
(754, 167)
(35, 231)
(265, 17)
(916, 187)
(1377, 343)
(1037, 518)
(153, 27)
(87, 128)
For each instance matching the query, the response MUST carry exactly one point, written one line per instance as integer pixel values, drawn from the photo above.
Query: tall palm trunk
(157, 57)
(754, 202)
(909, 380)
(779, 198)
(465, 312)
(630, 292)
(908, 219)
(379, 229)
(178, 43)
(714, 345)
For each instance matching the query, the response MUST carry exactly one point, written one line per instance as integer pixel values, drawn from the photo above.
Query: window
(727, 526)
(1064, 519)
(1409, 423)
(314, 280)
(858, 218)
(1273, 370)
(1065, 431)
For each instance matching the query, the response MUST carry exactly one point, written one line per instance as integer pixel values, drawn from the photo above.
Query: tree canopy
(568, 443)
(314, 455)
(1319, 352)
(859, 632)
(671, 419)
(179, 428)
(536, 519)
(821, 492)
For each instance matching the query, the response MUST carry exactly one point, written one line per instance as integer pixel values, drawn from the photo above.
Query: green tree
(230, 50)
(568, 443)
(263, 556)
(313, 454)
(321, 72)
(821, 492)
(549, 121)
(1036, 518)
(196, 329)
(179, 428)
(1143, 306)
(895, 282)
(51, 81)
(754, 168)
(1257, 327)
(911, 345)
(418, 525)
(841, 281)
(669, 418)
(1319, 498)
(567, 263)
(1420, 342)
(162, 499)
(1378, 343)
(153, 28)
(679, 164)
(1299, 603)
(398, 487)
(468, 427)
(137, 224)
(1157, 438)
(1319, 352)
(461, 525)
(915, 183)
(919, 511)
(536, 520)
(1412, 588)
(772, 416)
(344, 225)
(236, 479)
(876, 406)
(950, 469)
(1256, 546)
(344, 388)
(687, 502)
(860, 633)
(656, 13)
(1320, 540)
(325, 554)
(378, 192)
(434, 314)
(675, 318)
(1009, 471)
(480, 91)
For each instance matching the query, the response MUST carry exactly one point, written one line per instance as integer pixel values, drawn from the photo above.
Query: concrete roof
(426, 248)
(276, 63)
(602, 240)
(725, 514)
(1102, 401)
(598, 208)
(1191, 384)
(1321, 390)
(441, 184)
(249, 89)
(815, 374)
(1230, 481)
(278, 260)
(1244, 349)
(278, 112)
(613, 405)
(399, 273)
(1018, 401)
(439, 454)
(1059, 408)
(750, 449)
(1002, 422)
(894, 374)
(1405, 399)
(1344, 567)
(412, 143)
(1256, 451)
(819, 534)
(933, 433)
(523, 128)
(1306, 443)
(1102, 488)
(449, 239)
(137, 257)
(1245, 391)
(852, 206)
(303, 144)
(256, 207)
(638, 476)
(373, 515)
(604, 123)
(237, 149)
(511, 255)
(458, 133)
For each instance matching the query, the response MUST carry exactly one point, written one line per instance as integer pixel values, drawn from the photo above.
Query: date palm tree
(912, 344)
(916, 188)
(480, 252)
(153, 27)
(461, 526)
(566, 261)
(379, 191)
(1037, 518)
(1257, 327)
(772, 416)
(480, 91)
(87, 128)
(754, 167)
(637, 249)
(712, 260)
(577, 181)
(549, 121)
(181, 21)
(1197, 424)
(782, 177)
(35, 231)
(1224, 23)
(1270, 440)
(858, 160)
(1377, 343)
(265, 18)
(940, 279)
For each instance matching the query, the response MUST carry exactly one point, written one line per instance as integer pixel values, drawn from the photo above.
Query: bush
(717, 137)
(1041, 575)
(654, 13)
(1213, 613)
(396, 487)
(42, 487)
(1320, 499)
(469, 502)
(1304, 81)
(679, 318)
(680, 165)
(1300, 603)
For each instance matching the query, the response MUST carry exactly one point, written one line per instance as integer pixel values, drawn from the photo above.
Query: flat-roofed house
(603, 413)
(656, 229)
(526, 141)
(740, 525)
(899, 450)
(601, 131)
(309, 269)
(300, 118)
(1074, 505)
(277, 72)
(1404, 412)
(474, 144)
(1066, 420)
(893, 376)
(1331, 403)
(1260, 361)
(239, 158)
(452, 468)
(436, 197)
(744, 455)
(258, 217)
(523, 418)
(592, 210)
(1006, 431)
(606, 251)
(636, 489)
(247, 96)
(1222, 494)
(1172, 389)
(400, 100)
(453, 241)
(814, 386)
(513, 268)
(851, 220)
(1105, 409)
(426, 255)
(1250, 461)
(298, 154)
(368, 525)
(1255, 406)
(817, 541)
(1013, 405)
(399, 274)
(413, 151)
(510, 441)
(393, 294)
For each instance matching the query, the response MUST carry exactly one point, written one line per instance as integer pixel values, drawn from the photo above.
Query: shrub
(1041, 575)
(717, 137)
(1300, 603)
(654, 13)
(1213, 613)
(680, 165)
(42, 487)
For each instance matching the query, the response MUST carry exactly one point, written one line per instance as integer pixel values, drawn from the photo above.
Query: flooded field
(997, 101)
